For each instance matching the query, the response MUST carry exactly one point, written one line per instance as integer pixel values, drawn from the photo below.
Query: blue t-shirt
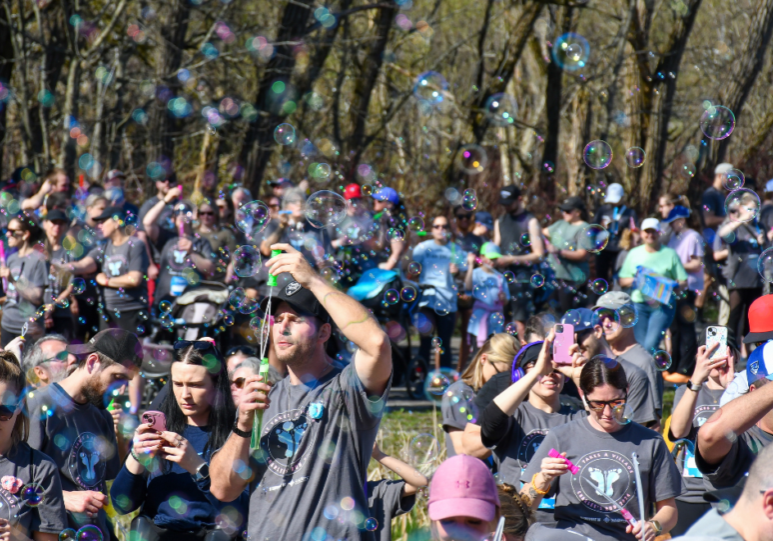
(435, 260)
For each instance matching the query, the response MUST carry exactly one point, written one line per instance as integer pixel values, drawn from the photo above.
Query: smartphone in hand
(156, 419)
(563, 340)
(716, 335)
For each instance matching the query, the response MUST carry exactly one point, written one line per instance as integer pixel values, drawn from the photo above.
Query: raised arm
(413, 478)
(154, 212)
(684, 412)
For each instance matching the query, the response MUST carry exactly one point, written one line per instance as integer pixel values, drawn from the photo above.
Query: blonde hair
(12, 374)
(500, 348)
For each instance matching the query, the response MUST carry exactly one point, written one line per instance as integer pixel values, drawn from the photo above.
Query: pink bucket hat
(463, 487)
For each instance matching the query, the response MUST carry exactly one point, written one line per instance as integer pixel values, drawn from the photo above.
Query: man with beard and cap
(70, 423)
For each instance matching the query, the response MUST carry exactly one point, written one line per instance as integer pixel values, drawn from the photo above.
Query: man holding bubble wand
(321, 412)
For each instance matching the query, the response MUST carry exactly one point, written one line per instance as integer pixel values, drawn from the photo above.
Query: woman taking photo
(495, 356)
(26, 273)
(164, 463)
(605, 448)
(31, 494)
(221, 239)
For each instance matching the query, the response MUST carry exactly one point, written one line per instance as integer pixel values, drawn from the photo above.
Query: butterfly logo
(604, 480)
(179, 257)
(114, 267)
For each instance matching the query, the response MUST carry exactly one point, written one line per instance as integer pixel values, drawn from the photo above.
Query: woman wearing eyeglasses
(26, 273)
(595, 498)
(169, 469)
(31, 502)
(221, 239)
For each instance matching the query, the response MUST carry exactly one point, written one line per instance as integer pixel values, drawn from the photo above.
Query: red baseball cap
(352, 191)
(760, 322)
(463, 487)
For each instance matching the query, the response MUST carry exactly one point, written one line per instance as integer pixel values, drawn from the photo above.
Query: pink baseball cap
(463, 487)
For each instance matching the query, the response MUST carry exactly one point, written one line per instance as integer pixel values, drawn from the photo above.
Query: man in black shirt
(615, 217)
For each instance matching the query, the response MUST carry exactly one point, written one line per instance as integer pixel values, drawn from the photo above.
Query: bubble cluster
(252, 218)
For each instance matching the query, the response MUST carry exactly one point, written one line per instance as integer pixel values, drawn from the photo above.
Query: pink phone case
(564, 339)
(156, 419)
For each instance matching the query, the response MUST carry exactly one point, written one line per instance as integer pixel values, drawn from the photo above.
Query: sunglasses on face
(200, 345)
(440, 226)
(238, 382)
(15, 232)
(206, 213)
(599, 405)
(463, 216)
(60, 357)
(244, 350)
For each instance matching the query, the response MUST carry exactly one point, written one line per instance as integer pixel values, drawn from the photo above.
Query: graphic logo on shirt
(604, 473)
(281, 440)
(88, 461)
(115, 263)
(702, 414)
(179, 256)
(530, 444)
(9, 504)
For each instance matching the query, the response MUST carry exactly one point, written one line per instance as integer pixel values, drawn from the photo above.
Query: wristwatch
(201, 473)
(242, 433)
(693, 387)
(657, 527)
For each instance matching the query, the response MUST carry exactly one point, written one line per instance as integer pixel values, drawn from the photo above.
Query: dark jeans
(571, 295)
(684, 344)
(605, 265)
(688, 514)
(443, 326)
(128, 320)
(740, 300)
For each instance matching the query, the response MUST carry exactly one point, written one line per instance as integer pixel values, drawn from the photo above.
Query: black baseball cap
(54, 215)
(298, 297)
(509, 194)
(111, 212)
(528, 354)
(117, 344)
(572, 203)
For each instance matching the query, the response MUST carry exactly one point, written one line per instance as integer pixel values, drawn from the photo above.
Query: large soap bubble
(325, 208)
(430, 87)
(717, 122)
(252, 218)
(742, 205)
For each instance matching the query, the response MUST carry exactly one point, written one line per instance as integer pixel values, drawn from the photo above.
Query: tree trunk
(6, 71)
(70, 112)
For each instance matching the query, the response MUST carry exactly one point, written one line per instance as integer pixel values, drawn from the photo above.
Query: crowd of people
(571, 331)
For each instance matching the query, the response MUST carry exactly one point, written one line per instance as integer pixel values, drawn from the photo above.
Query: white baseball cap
(722, 168)
(650, 223)
(615, 193)
(769, 186)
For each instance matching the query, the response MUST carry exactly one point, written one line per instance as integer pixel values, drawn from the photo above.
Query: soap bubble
(509, 276)
(570, 52)
(571, 317)
(371, 524)
(430, 87)
(511, 329)
(717, 122)
(623, 414)
(440, 307)
(742, 205)
(765, 265)
(252, 218)
(471, 159)
(537, 280)
(688, 170)
(414, 268)
(165, 307)
(391, 296)
(236, 298)
(608, 318)
(32, 494)
(634, 157)
(469, 200)
(325, 208)
(593, 238)
(734, 179)
(437, 342)
(525, 240)
(662, 360)
(597, 154)
(89, 533)
(246, 261)
(248, 306)
(628, 316)
(501, 109)
(424, 449)
(408, 294)
(599, 286)
(416, 224)
(78, 286)
(68, 534)
(284, 134)
(435, 385)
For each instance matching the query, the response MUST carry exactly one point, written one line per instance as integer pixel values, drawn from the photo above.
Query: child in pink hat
(463, 500)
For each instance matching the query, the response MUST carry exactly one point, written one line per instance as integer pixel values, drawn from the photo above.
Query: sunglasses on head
(200, 345)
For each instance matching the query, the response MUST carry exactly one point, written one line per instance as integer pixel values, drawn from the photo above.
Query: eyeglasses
(200, 345)
(15, 232)
(206, 213)
(273, 206)
(440, 226)
(247, 351)
(599, 405)
(463, 216)
(238, 382)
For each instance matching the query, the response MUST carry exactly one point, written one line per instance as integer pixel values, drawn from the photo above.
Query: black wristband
(240, 433)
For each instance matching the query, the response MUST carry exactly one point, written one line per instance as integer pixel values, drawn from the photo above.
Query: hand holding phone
(155, 419)
(563, 340)
(716, 335)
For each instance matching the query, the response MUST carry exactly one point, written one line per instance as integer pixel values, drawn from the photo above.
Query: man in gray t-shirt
(319, 423)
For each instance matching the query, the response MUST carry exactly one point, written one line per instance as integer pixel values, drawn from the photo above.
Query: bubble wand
(265, 328)
(2, 260)
(639, 489)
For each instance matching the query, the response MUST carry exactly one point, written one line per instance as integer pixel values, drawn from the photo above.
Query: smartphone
(716, 335)
(156, 419)
(564, 339)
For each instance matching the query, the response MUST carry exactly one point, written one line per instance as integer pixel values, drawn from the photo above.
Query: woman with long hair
(606, 453)
(494, 356)
(199, 414)
(31, 494)
(26, 273)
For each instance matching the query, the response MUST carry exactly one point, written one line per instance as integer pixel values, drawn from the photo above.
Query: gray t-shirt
(81, 441)
(386, 501)
(175, 268)
(54, 283)
(706, 404)
(641, 358)
(29, 271)
(27, 466)
(118, 261)
(711, 526)
(315, 448)
(736, 464)
(640, 398)
(457, 410)
(606, 467)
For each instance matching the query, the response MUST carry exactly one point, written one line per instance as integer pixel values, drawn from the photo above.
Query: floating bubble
(597, 154)
(742, 205)
(717, 122)
(548, 167)
(236, 298)
(734, 179)
(391, 296)
(68, 534)
(688, 170)
(395, 234)
(623, 414)
(89, 533)
(765, 265)
(325, 208)
(371, 524)
(408, 294)
(440, 307)
(32, 494)
(284, 134)
(511, 329)
(165, 307)
(593, 238)
(252, 218)
(435, 385)
(471, 159)
(570, 52)
(628, 316)
(571, 317)
(608, 318)
(509, 276)
(634, 157)
(469, 200)
(246, 261)
(248, 306)
(430, 88)
(525, 240)
(496, 320)
(414, 268)
(662, 360)
(416, 224)
(437, 342)
(78, 286)
(599, 286)
(424, 449)
(537, 280)
(501, 109)
(166, 321)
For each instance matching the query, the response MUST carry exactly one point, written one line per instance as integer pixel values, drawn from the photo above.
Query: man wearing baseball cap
(567, 256)
(70, 423)
(518, 234)
(319, 423)
(385, 206)
(713, 201)
(615, 217)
